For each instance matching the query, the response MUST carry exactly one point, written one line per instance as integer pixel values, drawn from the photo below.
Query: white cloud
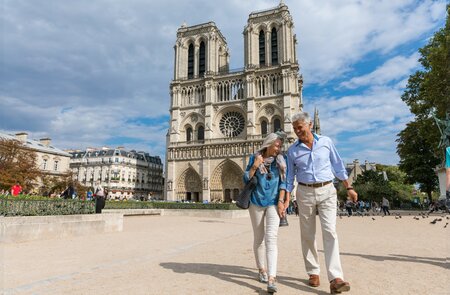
(333, 35)
(394, 69)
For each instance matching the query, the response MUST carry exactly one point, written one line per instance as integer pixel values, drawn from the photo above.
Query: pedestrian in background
(385, 206)
(99, 198)
(16, 189)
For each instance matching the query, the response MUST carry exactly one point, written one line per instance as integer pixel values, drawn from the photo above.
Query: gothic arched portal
(189, 186)
(226, 181)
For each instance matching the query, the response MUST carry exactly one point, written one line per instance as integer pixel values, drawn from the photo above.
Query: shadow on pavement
(441, 262)
(238, 275)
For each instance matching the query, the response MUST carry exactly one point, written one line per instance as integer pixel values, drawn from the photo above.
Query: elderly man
(315, 162)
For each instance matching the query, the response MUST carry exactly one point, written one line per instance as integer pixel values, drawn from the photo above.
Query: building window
(55, 166)
(201, 133)
(232, 124)
(262, 48)
(264, 127)
(191, 61)
(188, 134)
(274, 42)
(276, 125)
(44, 164)
(201, 60)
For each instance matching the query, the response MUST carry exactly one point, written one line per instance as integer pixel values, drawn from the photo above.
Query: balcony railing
(218, 140)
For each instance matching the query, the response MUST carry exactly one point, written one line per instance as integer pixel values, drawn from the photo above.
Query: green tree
(371, 185)
(393, 173)
(399, 183)
(427, 93)
(417, 159)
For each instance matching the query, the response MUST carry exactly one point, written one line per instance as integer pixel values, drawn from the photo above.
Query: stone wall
(28, 228)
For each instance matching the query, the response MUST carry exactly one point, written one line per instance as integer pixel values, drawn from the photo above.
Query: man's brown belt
(317, 184)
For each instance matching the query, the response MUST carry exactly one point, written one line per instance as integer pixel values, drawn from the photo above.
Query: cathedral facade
(218, 116)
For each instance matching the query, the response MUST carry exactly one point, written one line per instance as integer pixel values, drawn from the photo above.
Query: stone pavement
(200, 255)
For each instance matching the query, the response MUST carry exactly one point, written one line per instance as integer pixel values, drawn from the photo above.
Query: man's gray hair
(302, 116)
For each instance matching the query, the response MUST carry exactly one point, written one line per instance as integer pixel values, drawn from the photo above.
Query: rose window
(232, 124)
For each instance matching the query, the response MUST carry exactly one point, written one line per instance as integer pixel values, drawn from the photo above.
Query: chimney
(22, 136)
(45, 141)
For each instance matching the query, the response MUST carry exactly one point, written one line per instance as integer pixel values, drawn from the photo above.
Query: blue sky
(92, 73)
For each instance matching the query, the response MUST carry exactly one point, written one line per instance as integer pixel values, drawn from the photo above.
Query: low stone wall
(182, 212)
(205, 213)
(28, 228)
(130, 212)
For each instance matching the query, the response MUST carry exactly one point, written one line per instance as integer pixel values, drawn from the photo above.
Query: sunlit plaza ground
(194, 255)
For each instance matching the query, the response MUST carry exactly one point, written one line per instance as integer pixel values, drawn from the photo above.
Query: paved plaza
(195, 255)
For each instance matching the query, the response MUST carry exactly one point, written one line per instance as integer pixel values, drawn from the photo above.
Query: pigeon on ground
(445, 225)
(434, 221)
(373, 218)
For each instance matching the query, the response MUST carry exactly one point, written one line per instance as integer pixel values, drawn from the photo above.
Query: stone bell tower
(218, 116)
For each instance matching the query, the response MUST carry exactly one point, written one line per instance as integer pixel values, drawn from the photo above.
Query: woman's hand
(283, 203)
(281, 209)
(258, 161)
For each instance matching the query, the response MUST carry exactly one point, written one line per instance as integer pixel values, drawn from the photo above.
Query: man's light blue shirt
(319, 164)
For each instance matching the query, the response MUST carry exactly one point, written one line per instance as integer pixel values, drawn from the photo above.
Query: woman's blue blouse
(267, 190)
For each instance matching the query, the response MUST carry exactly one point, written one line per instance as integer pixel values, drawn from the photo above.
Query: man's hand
(352, 195)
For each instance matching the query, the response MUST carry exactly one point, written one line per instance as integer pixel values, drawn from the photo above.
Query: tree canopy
(17, 165)
(427, 93)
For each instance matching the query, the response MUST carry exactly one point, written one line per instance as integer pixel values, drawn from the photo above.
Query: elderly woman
(267, 205)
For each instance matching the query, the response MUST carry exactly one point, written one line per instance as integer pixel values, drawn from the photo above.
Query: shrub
(40, 206)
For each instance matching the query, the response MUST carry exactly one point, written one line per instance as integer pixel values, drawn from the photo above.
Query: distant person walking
(349, 207)
(99, 198)
(267, 204)
(385, 206)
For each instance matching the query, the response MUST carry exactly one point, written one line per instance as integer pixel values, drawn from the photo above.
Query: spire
(316, 124)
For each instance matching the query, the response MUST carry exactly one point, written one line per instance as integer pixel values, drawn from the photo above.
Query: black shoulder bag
(243, 199)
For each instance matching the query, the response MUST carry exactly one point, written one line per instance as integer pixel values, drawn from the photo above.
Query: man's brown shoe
(314, 281)
(338, 286)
